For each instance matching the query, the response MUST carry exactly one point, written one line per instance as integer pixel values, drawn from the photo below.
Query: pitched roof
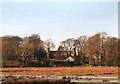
(70, 58)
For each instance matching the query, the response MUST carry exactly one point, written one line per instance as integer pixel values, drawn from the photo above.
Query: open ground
(58, 74)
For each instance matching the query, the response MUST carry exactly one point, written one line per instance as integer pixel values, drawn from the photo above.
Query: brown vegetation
(64, 71)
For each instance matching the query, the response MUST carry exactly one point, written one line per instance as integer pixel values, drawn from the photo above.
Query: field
(62, 72)
(73, 71)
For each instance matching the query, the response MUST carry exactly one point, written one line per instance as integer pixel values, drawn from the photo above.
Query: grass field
(65, 71)
(59, 75)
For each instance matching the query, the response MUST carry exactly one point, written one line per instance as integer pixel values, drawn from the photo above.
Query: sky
(58, 20)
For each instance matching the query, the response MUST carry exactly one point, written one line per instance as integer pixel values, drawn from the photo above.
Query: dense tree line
(97, 50)
(22, 50)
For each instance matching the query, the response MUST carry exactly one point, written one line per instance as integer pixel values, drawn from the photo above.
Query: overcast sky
(59, 20)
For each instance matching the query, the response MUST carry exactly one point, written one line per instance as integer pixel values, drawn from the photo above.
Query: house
(53, 54)
(70, 59)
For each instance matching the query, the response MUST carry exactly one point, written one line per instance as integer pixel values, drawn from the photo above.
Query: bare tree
(48, 46)
(92, 48)
(29, 47)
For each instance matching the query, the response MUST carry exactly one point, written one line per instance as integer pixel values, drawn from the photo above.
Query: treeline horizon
(97, 50)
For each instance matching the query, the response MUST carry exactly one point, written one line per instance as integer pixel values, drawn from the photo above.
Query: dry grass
(65, 71)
